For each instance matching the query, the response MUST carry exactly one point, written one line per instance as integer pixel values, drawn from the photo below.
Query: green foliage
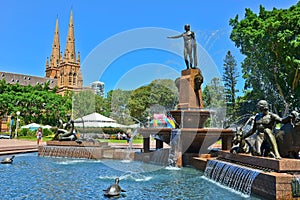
(111, 131)
(83, 103)
(106, 130)
(214, 99)
(26, 132)
(270, 41)
(159, 96)
(102, 105)
(32, 133)
(40, 105)
(47, 132)
(118, 101)
(36, 104)
(230, 76)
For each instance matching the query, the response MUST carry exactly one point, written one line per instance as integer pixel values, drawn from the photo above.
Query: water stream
(176, 149)
(230, 175)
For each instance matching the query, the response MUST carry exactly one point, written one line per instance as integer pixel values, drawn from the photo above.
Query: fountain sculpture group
(247, 167)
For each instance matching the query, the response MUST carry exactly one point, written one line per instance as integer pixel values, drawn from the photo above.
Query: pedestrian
(118, 135)
(128, 137)
(39, 135)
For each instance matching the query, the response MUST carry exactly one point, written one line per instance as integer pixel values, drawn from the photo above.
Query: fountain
(272, 178)
(188, 146)
(195, 139)
(267, 177)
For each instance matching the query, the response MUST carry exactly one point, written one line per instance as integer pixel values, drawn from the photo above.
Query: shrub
(47, 132)
(26, 132)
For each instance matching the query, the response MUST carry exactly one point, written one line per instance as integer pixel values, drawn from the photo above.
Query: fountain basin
(194, 141)
(89, 150)
(276, 177)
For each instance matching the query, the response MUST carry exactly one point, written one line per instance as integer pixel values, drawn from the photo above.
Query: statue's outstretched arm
(174, 37)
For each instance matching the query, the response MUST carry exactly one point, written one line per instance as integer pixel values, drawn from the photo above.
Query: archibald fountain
(239, 167)
(190, 135)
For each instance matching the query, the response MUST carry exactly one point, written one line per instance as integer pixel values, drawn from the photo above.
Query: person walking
(39, 135)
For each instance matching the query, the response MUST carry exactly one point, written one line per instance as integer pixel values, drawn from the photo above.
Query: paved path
(13, 146)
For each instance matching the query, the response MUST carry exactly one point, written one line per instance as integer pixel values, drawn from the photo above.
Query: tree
(230, 76)
(36, 104)
(271, 43)
(83, 103)
(214, 99)
(118, 101)
(102, 106)
(159, 96)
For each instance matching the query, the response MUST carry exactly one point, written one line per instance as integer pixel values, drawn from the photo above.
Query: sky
(123, 43)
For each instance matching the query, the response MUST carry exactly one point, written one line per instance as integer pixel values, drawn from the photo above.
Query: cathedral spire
(70, 47)
(55, 56)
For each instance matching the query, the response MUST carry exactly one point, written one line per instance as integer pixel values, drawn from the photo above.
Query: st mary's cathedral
(62, 71)
(65, 68)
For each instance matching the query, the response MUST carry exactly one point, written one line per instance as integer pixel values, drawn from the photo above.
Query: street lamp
(17, 124)
(148, 121)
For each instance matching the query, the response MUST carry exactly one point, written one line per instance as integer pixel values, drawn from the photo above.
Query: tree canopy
(271, 42)
(35, 103)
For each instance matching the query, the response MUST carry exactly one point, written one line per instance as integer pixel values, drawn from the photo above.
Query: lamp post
(148, 121)
(17, 124)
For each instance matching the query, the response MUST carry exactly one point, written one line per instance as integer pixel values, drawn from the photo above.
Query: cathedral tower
(65, 69)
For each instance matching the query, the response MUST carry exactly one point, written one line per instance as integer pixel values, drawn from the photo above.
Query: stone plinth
(190, 89)
(283, 165)
(190, 118)
(275, 185)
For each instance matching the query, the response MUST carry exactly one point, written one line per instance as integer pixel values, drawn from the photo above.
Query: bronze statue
(263, 127)
(288, 137)
(66, 133)
(190, 47)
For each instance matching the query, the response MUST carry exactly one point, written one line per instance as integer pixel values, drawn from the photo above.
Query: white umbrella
(35, 126)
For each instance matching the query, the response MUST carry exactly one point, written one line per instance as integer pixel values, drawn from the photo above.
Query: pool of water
(33, 177)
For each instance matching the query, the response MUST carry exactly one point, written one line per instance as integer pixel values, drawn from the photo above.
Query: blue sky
(122, 43)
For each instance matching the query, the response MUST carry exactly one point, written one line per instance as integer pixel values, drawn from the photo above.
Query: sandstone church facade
(65, 68)
(62, 70)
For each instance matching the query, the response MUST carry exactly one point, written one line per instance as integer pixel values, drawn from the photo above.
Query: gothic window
(74, 79)
(61, 79)
(70, 79)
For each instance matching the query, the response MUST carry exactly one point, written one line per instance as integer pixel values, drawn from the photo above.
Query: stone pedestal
(276, 177)
(190, 92)
(190, 118)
